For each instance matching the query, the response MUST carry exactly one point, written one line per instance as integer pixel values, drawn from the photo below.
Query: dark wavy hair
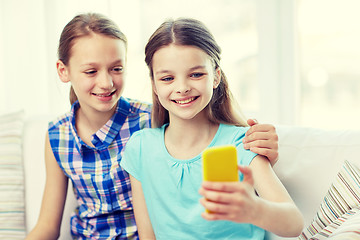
(190, 32)
(84, 25)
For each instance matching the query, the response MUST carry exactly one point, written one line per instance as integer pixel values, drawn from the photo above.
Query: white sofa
(309, 161)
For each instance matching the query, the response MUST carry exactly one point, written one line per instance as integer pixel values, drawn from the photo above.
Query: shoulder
(145, 138)
(147, 134)
(137, 112)
(138, 107)
(234, 135)
(59, 130)
(230, 134)
(142, 141)
(232, 130)
(59, 122)
(64, 121)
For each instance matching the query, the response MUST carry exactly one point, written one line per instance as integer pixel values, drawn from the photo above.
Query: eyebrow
(197, 67)
(95, 63)
(162, 71)
(191, 69)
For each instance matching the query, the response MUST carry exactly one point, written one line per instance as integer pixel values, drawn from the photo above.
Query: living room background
(288, 62)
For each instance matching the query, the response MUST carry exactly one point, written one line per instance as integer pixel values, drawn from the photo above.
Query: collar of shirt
(107, 133)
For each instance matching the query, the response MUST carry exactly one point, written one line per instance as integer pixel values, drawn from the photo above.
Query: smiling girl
(193, 110)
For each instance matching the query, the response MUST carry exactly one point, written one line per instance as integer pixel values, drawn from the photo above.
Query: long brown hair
(83, 25)
(190, 32)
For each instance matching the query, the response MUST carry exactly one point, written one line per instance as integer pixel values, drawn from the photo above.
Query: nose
(182, 86)
(105, 81)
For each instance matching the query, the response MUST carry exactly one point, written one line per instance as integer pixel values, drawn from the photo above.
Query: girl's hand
(233, 201)
(262, 139)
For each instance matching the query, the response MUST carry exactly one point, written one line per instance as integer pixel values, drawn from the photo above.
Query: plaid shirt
(102, 188)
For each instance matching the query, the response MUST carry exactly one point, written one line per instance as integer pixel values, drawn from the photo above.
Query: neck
(89, 122)
(185, 139)
(93, 120)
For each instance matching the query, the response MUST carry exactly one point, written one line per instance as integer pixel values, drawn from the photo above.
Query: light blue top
(171, 186)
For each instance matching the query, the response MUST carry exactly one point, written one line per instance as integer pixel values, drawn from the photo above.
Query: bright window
(287, 61)
(28, 56)
(329, 51)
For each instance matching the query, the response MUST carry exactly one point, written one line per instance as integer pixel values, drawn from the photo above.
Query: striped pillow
(12, 217)
(350, 227)
(343, 195)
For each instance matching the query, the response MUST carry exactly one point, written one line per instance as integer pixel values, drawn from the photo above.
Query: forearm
(276, 212)
(140, 210)
(283, 218)
(147, 238)
(146, 234)
(43, 232)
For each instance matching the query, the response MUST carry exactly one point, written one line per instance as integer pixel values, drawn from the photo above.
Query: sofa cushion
(345, 227)
(12, 219)
(342, 196)
(349, 228)
(309, 159)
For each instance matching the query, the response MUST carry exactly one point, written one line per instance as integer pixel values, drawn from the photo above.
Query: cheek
(80, 83)
(162, 98)
(81, 88)
(159, 90)
(163, 94)
(208, 87)
(119, 81)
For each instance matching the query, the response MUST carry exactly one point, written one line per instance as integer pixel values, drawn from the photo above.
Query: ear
(62, 71)
(217, 78)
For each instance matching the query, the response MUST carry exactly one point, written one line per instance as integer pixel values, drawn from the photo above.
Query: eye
(197, 75)
(166, 79)
(118, 69)
(90, 72)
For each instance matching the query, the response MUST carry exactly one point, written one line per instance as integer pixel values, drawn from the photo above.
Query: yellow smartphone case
(220, 164)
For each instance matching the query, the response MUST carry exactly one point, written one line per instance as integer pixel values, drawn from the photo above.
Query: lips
(108, 94)
(185, 101)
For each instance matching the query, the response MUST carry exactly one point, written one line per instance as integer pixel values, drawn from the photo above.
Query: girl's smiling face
(96, 71)
(183, 80)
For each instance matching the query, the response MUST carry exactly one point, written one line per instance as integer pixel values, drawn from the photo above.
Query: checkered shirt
(102, 188)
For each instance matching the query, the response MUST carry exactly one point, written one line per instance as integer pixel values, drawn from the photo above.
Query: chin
(106, 107)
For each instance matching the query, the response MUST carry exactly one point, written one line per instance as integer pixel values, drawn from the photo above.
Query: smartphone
(220, 164)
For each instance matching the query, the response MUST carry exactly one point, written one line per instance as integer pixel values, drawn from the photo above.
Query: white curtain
(26, 63)
(30, 31)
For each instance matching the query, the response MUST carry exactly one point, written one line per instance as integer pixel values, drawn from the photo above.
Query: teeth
(185, 101)
(104, 95)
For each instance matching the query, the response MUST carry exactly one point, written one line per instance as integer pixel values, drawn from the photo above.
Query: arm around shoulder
(52, 206)
(263, 140)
